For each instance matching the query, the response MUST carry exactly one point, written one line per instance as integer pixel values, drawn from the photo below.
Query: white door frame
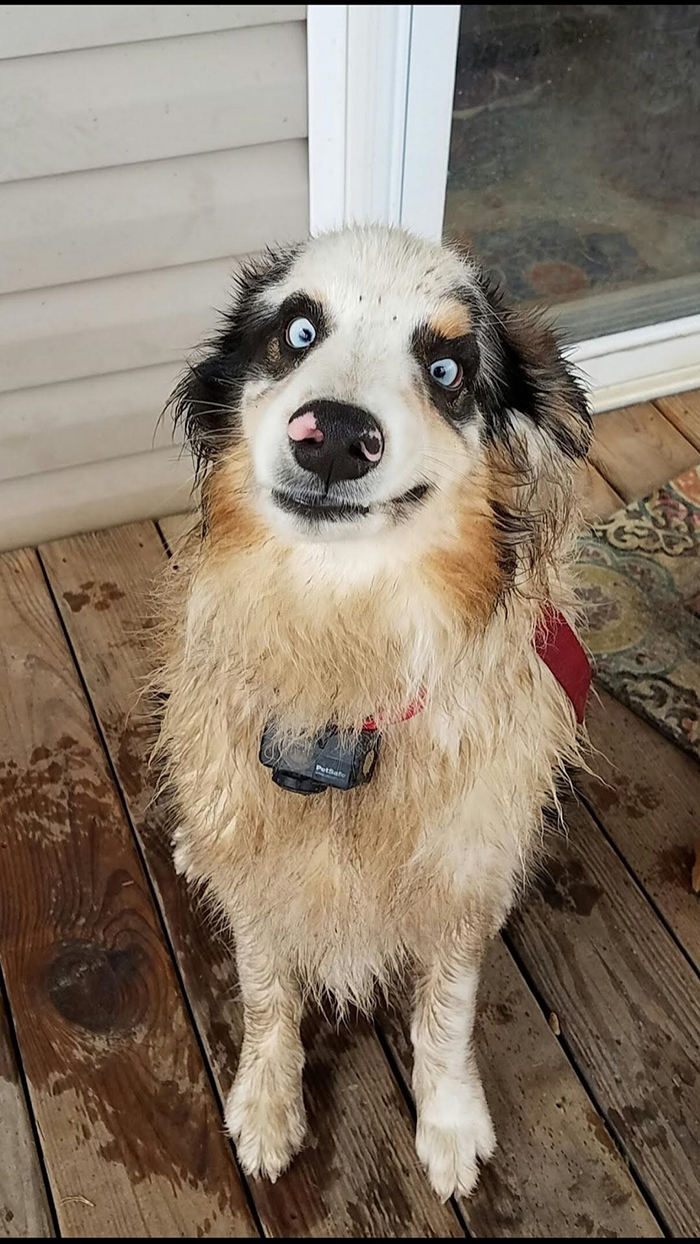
(381, 84)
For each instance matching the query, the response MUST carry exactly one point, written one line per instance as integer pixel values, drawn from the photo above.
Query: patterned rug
(640, 584)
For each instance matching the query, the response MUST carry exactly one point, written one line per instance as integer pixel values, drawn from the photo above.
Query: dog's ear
(527, 383)
(205, 403)
(537, 428)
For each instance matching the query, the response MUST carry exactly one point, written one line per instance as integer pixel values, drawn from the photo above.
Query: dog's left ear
(528, 386)
(537, 429)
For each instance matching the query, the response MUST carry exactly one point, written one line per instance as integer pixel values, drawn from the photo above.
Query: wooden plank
(134, 102)
(628, 1004)
(131, 1133)
(636, 450)
(359, 1176)
(31, 29)
(598, 501)
(556, 1172)
(24, 1207)
(683, 411)
(647, 795)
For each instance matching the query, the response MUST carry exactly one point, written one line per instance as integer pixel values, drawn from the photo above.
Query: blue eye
(300, 333)
(446, 372)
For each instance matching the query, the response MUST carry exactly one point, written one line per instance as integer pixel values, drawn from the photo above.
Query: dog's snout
(335, 440)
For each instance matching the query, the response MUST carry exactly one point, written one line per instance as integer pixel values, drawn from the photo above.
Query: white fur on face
(376, 288)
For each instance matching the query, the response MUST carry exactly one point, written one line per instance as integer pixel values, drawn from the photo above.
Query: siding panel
(85, 498)
(116, 324)
(80, 421)
(106, 222)
(147, 101)
(26, 29)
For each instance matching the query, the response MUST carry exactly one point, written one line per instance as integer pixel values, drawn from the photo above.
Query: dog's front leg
(265, 1108)
(454, 1128)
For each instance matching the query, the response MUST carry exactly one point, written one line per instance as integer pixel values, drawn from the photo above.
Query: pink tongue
(304, 428)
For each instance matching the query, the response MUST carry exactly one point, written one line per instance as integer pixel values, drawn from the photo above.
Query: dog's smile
(320, 509)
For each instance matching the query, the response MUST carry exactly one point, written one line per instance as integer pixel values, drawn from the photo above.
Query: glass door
(574, 164)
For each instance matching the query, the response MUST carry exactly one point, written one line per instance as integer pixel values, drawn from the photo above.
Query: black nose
(335, 440)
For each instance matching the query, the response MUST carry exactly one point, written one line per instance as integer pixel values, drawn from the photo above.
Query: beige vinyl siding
(116, 324)
(107, 222)
(84, 498)
(28, 29)
(146, 149)
(145, 101)
(73, 423)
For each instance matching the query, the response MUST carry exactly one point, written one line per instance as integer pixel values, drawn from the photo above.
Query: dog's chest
(351, 882)
(425, 821)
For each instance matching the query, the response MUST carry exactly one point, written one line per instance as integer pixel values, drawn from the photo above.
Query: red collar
(562, 652)
(416, 706)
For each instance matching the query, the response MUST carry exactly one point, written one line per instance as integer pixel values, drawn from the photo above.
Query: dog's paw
(267, 1126)
(453, 1135)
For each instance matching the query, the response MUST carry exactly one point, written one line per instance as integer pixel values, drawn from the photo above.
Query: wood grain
(557, 1172)
(598, 501)
(628, 1004)
(647, 795)
(24, 1207)
(683, 411)
(131, 1133)
(636, 450)
(359, 1176)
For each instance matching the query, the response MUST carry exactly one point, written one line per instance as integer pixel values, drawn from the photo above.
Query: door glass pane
(575, 157)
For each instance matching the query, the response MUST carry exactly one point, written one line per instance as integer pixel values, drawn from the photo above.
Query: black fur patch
(251, 343)
(525, 371)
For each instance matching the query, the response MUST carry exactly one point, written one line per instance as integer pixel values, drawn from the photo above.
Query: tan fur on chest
(352, 882)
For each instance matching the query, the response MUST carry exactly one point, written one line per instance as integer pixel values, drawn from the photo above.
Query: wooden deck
(119, 1018)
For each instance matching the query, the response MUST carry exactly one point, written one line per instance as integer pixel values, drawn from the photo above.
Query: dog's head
(366, 377)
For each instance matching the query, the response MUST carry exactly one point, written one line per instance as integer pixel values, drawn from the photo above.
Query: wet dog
(386, 452)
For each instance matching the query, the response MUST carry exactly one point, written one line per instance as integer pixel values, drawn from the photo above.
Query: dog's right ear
(206, 400)
(537, 431)
(528, 382)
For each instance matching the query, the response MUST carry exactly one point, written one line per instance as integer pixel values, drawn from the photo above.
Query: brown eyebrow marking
(452, 320)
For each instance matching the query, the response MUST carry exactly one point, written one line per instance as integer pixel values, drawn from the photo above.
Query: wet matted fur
(306, 601)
